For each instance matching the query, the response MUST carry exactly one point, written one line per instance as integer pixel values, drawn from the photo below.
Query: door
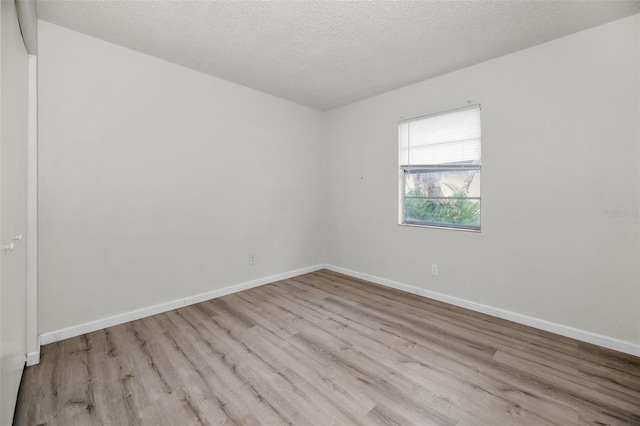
(13, 188)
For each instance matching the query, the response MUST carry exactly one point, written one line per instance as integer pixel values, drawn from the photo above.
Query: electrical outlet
(434, 269)
(253, 259)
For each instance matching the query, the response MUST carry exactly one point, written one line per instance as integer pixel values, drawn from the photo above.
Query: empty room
(319, 212)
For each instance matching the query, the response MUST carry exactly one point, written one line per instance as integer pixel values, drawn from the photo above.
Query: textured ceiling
(326, 54)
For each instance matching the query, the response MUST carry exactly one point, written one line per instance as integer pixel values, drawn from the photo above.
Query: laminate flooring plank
(447, 386)
(623, 400)
(511, 384)
(267, 314)
(487, 408)
(496, 337)
(372, 293)
(37, 398)
(625, 364)
(382, 416)
(609, 381)
(327, 349)
(206, 377)
(599, 417)
(241, 360)
(309, 310)
(345, 404)
(384, 382)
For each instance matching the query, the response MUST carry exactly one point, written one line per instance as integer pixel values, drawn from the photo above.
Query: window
(440, 169)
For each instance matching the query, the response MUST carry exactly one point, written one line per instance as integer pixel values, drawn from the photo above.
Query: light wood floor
(326, 349)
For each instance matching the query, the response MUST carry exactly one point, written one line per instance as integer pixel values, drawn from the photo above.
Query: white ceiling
(326, 54)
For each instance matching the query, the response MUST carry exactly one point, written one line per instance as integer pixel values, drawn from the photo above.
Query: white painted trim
(563, 330)
(88, 327)
(32, 343)
(33, 358)
(638, 19)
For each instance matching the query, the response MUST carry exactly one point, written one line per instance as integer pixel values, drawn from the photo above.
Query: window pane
(442, 183)
(443, 212)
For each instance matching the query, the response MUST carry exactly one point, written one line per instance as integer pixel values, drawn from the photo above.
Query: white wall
(13, 179)
(560, 125)
(157, 182)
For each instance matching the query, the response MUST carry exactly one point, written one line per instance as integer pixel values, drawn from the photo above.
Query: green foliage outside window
(443, 211)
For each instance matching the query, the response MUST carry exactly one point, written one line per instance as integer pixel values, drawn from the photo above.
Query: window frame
(407, 169)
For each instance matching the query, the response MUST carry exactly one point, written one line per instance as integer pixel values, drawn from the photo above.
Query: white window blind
(446, 138)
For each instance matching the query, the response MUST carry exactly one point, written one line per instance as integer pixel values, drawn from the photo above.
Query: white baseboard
(563, 330)
(33, 358)
(78, 330)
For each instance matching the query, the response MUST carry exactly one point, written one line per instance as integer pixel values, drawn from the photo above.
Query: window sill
(448, 228)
